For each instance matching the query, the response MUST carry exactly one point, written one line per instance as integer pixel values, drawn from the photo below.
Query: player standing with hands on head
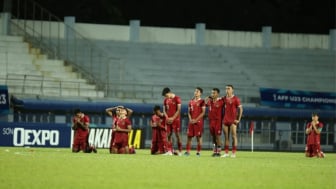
(233, 111)
(80, 125)
(172, 110)
(196, 111)
(313, 132)
(215, 115)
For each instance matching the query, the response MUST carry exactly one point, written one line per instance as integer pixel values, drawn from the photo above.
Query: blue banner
(297, 99)
(34, 134)
(4, 100)
(58, 135)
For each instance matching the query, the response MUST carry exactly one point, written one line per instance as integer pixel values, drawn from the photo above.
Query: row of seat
(182, 67)
(139, 71)
(29, 72)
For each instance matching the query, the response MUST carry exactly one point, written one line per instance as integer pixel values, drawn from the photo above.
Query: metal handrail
(44, 30)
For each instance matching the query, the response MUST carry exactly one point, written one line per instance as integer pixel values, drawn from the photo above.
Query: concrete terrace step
(50, 64)
(27, 71)
(13, 49)
(16, 57)
(69, 84)
(6, 38)
(31, 90)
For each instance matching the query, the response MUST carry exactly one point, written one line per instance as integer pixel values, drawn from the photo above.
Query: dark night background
(288, 16)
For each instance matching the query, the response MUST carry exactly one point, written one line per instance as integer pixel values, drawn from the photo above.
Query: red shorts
(120, 142)
(313, 149)
(155, 134)
(229, 123)
(174, 127)
(195, 129)
(215, 126)
(79, 143)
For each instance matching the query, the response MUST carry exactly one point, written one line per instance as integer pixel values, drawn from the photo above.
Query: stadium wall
(183, 36)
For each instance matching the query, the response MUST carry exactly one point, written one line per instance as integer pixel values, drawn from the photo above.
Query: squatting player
(159, 135)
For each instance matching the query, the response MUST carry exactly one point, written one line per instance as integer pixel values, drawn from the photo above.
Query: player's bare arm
(200, 116)
(153, 124)
(129, 129)
(109, 110)
(74, 126)
(309, 129)
(129, 112)
(177, 113)
(83, 125)
(240, 113)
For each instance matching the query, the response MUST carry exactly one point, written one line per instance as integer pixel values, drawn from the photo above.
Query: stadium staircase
(28, 72)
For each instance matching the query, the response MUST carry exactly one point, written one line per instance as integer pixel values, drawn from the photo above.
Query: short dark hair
(156, 108)
(315, 114)
(230, 86)
(76, 111)
(200, 89)
(216, 89)
(165, 91)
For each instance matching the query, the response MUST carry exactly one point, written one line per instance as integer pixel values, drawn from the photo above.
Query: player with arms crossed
(233, 111)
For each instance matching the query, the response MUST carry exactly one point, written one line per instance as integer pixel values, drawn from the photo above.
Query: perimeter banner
(35, 134)
(58, 135)
(297, 99)
(101, 138)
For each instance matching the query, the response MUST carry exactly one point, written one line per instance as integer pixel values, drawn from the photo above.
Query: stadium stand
(143, 69)
(149, 67)
(28, 72)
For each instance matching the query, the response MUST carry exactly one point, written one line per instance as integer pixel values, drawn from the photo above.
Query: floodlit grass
(59, 168)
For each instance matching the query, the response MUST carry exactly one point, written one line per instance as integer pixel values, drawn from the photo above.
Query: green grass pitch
(59, 168)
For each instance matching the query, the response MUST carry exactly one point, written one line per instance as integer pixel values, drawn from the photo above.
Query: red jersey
(114, 121)
(195, 107)
(122, 123)
(215, 108)
(230, 108)
(313, 137)
(80, 132)
(157, 119)
(170, 105)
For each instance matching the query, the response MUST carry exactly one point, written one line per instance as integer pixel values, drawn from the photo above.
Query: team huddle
(224, 114)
